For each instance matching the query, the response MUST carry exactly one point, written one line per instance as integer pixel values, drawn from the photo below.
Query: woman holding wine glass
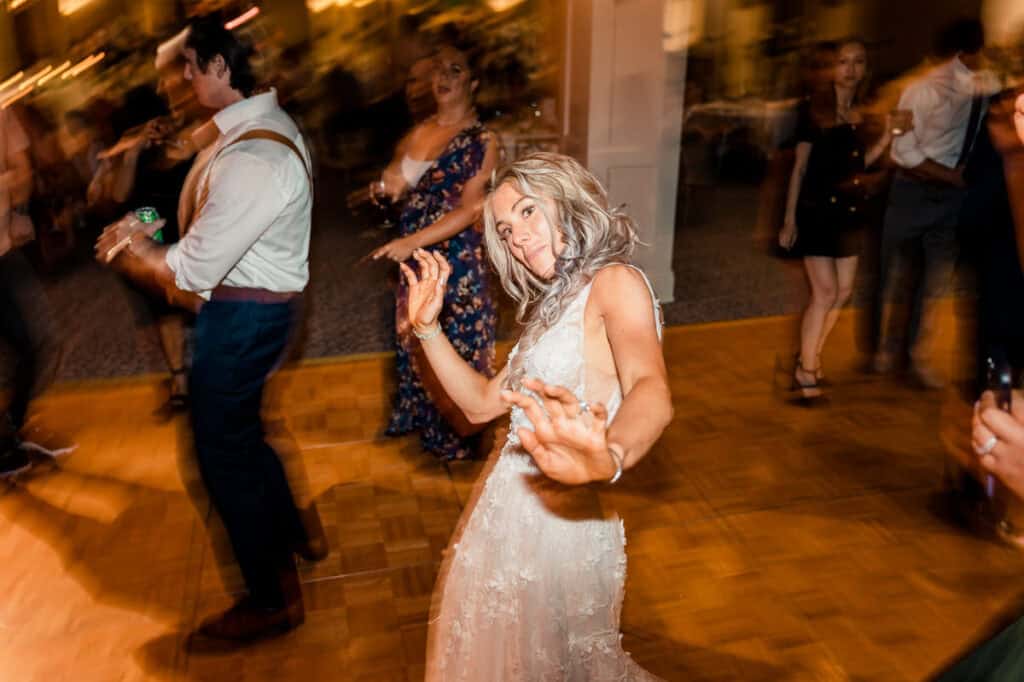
(439, 173)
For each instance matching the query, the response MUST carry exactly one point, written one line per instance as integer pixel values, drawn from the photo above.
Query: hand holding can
(147, 215)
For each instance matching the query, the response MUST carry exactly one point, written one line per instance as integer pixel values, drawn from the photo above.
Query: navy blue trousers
(237, 347)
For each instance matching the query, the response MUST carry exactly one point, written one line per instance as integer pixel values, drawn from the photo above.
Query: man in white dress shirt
(928, 190)
(243, 263)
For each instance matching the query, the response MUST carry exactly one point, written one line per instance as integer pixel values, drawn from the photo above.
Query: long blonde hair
(594, 236)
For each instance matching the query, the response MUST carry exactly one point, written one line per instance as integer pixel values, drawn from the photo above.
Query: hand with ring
(565, 446)
(998, 440)
(123, 234)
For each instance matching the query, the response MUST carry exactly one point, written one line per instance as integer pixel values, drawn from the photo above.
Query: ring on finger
(584, 407)
(989, 445)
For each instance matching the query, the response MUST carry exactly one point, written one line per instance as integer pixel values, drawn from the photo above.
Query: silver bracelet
(618, 465)
(429, 335)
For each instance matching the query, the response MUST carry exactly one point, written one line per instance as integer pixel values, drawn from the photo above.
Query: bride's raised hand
(426, 289)
(568, 440)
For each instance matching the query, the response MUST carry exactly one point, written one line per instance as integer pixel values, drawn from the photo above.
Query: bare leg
(846, 273)
(821, 274)
(171, 330)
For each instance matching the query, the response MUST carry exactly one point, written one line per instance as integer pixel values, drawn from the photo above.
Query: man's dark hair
(208, 37)
(965, 36)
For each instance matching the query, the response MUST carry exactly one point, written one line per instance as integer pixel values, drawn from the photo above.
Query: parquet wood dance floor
(766, 542)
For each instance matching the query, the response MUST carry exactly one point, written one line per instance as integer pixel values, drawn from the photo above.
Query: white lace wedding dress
(532, 584)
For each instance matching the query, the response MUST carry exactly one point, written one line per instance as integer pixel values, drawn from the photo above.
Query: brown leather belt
(252, 295)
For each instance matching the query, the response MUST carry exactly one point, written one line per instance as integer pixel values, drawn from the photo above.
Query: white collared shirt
(941, 102)
(253, 229)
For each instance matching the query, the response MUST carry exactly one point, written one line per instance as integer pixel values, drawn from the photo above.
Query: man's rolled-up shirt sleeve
(245, 197)
(907, 149)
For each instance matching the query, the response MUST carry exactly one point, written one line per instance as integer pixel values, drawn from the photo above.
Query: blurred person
(147, 168)
(533, 580)
(419, 90)
(243, 264)
(997, 444)
(81, 144)
(991, 241)
(440, 171)
(1014, 165)
(293, 78)
(24, 314)
(826, 207)
(927, 193)
(57, 205)
(139, 106)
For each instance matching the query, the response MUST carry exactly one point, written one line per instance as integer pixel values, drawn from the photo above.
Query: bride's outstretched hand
(426, 290)
(568, 440)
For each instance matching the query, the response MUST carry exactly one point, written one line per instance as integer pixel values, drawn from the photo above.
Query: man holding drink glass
(242, 264)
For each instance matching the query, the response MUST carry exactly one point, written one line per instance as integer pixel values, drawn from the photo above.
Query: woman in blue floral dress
(442, 168)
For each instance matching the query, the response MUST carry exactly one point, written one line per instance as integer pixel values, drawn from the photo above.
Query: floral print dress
(468, 317)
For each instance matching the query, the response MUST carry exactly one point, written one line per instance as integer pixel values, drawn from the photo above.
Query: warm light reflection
(82, 495)
(56, 72)
(15, 4)
(242, 18)
(502, 5)
(18, 94)
(31, 80)
(321, 5)
(81, 66)
(12, 80)
(67, 7)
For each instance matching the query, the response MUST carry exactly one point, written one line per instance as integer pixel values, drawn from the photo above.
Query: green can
(149, 215)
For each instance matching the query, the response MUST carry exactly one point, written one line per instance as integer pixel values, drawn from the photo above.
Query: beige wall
(624, 94)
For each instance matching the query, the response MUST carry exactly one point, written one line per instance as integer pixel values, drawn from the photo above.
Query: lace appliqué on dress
(531, 588)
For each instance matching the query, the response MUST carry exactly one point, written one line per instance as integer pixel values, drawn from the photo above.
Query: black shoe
(13, 461)
(246, 621)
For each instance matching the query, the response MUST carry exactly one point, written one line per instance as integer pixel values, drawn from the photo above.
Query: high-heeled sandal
(808, 393)
(819, 373)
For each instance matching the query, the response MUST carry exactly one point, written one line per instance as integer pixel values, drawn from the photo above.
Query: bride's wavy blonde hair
(594, 235)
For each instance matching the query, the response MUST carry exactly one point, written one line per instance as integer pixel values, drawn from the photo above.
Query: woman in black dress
(825, 208)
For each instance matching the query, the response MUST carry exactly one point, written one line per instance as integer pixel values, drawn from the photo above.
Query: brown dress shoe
(246, 621)
(313, 547)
